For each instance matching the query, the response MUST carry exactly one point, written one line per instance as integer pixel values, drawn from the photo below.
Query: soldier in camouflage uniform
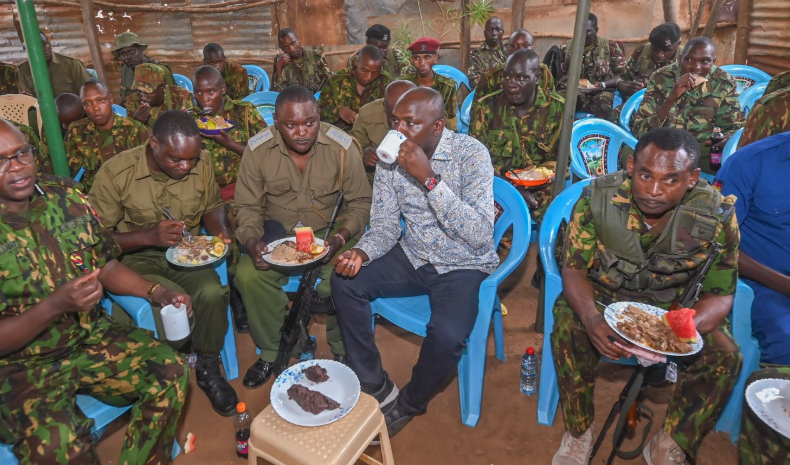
(673, 99)
(43, 160)
(57, 341)
(153, 96)
(520, 123)
(770, 115)
(602, 62)
(130, 51)
(349, 89)
(759, 443)
(396, 61)
(660, 221)
(296, 65)
(9, 79)
(237, 81)
(424, 54)
(493, 52)
(97, 138)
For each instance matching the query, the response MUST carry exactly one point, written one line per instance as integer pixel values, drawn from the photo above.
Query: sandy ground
(508, 431)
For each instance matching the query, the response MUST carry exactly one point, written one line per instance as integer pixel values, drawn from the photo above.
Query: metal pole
(46, 101)
(89, 20)
(574, 71)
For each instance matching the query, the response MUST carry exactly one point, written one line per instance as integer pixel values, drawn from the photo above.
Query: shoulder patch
(340, 136)
(258, 139)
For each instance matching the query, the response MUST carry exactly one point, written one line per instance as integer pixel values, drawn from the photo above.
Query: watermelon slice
(682, 324)
(304, 239)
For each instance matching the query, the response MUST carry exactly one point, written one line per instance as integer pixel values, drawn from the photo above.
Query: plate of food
(769, 399)
(654, 329)
(212, 125)
(315, 392)
(586, 86)
(301, 250)
(530, 177)
(203, 250)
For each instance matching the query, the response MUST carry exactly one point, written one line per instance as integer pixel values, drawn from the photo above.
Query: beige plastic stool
(14, 107)
(340, 443)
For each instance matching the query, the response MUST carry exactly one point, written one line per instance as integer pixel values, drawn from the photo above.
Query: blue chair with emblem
(183, 81)
(453, 73)
(749, 97)
(259, 80)
(414, 313)
(595, 147)
(264, 102)
(119, 110)
(466, 114)
(629, 107)
(746, 76)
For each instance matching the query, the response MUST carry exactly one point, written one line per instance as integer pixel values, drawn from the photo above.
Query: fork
(184, 232)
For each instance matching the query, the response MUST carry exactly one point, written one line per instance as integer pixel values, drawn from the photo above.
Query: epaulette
(340, 136)
(258, 139)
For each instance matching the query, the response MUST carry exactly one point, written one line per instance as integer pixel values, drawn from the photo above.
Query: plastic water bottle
(304, 356)
(242, 422)
(529, 373)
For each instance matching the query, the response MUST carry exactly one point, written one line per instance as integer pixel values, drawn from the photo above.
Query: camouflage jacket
(640, 66)
(769, 116)
(87, 147)
(396, 62)
(176, 98)
(582, 240)
(483, 59)
(248, 122)
(127, 77)
(310, 71)
(236, 80)
(446, 87)
(38, 251)
(43, 160)
(491, 81)
(9, 79)
(602, 60)
(341, 91)
(778, 82)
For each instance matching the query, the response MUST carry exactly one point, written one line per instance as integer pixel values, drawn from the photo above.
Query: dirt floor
(508, 431)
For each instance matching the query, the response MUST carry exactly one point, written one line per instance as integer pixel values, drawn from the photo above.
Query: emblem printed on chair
(743, 83)
(594, 148)
(498, 210)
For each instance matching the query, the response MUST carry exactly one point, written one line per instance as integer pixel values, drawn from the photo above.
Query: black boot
(238, 310)
(209, 378)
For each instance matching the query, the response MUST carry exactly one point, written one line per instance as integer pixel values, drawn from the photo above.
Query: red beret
(424, 45)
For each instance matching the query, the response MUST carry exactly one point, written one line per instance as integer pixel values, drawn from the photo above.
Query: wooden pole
(517, 12)
(742, 34)
(715, 12)
(694, 29)
(88, 16)
(466, 36)
(670, 11)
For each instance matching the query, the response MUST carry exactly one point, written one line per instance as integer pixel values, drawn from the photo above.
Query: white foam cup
(388, 149)
(175, 321)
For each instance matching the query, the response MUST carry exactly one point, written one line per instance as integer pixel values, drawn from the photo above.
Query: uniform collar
(91, 127)
(57, 59)
(278, 137)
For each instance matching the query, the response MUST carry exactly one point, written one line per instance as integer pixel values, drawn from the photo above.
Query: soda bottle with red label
(242, 422)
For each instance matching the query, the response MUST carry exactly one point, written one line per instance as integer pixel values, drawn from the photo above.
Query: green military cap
(126, 39)
(148, 76)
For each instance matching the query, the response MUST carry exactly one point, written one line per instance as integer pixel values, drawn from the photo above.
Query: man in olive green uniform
(291, 175)
(9, 79)
(346, 91)
(520, 124)
(66, 74)
(373, 123)
(771, 113)
(493, 52)
(56, 259)
(131, 52)
(674, 99)
(760, 444)
(43, 161)
(602, 62)
(663, 49)
(103, 134)
(237, 81)
(153, 96)
(396, 61)
(424, 54)
(129, 194)
(297, 65)
(641, 236)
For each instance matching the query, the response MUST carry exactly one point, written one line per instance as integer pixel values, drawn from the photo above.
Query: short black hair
(372, 52)
(92, 83)
(207, 70)
(593, 19)
(284, 32)
(293, 94)
(175, 122)
(212, 47)
(671, 139)
(67, 102)
(699, 41)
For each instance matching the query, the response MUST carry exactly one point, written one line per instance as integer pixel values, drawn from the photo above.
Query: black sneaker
(210, 379)
(342, 359)
(396, 418)
(385, 394)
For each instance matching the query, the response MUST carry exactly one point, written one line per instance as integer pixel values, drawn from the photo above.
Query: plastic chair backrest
(731, 146)
(183, 81)
(595, 147)
(94, 74)
(629, 107)
(749, 96)
(119, 110)
(317, 95)
(617, 100)
(559, 210)
(466, 114)
(264, 101)
(746, 76)
(259, 80)
(15, 107)
(454, 74)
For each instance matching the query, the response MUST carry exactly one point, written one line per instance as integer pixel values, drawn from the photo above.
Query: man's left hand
(334, 245)
(413, 159)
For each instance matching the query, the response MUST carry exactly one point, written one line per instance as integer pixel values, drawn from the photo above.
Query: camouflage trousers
(760, 444)
(690, 414)
(599, 104)
(118, 365)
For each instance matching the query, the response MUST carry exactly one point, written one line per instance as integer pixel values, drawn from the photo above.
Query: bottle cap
(241, 407)
(530, 351)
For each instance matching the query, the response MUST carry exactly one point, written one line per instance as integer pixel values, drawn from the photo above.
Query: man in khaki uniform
(129, 193)
(291, 175)
(372, 124)
(152, 96)
(65, 73)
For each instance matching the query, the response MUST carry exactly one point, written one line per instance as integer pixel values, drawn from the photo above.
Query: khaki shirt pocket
(323, 192)
(190, 211)
(141, 218)
(277, 187)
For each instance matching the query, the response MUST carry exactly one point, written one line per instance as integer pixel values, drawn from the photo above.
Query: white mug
(175, 321)
(388, 149)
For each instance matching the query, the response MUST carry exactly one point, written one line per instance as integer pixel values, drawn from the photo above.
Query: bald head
(209, 74)
(9, 133)
(520, 39)
(393, 92)
(524, 57)
(419, 115)
(428, 102)
(69, 108)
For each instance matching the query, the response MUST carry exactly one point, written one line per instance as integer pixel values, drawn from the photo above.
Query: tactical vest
(619, 261)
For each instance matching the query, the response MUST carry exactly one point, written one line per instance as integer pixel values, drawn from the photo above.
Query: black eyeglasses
(24, 156)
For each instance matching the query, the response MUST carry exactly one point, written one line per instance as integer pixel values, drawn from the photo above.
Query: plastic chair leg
(499, 337)
(548, 390)
(229, 357)
(470, 383)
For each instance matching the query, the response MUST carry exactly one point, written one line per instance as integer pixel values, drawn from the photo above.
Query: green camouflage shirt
(769, 116)
(9, 79)
(396, 62)
(236, 80)
(446, 87)
(778, 82)
(176, 98)
(483, 59)
(248, 122)
(87, 147)
(640, 66)
(310, 71)
(127, 77)
(43, 160)
(341, 91)
(36, 249)
(601, 61)
(581, 240)
(491, 81)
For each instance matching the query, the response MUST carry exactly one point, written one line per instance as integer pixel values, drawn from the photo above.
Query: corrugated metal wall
(769, 35)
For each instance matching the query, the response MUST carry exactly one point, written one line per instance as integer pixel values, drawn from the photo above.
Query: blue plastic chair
(259, 80)
(595, 147)
(94, 74)
(746, 76)
(264, 101)
(582, 115)
(629, 107)
(183, 81)
(617, 100)
(453, 73)
(317, 95)
(413, 313)
(748, 97)
(466, 114)
(731, 146)
(119, 110)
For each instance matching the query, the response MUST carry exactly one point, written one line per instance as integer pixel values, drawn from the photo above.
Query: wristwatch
(430, 183)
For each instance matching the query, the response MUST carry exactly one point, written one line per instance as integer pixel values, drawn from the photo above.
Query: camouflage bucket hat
(126, 39)
(147, 77)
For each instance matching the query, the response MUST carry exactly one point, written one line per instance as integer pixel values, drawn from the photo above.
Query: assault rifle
(690, 294)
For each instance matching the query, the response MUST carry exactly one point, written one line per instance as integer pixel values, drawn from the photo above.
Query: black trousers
(454, 306)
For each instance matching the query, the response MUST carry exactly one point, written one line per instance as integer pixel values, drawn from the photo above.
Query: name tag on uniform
(76, 222)
(258, 139)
